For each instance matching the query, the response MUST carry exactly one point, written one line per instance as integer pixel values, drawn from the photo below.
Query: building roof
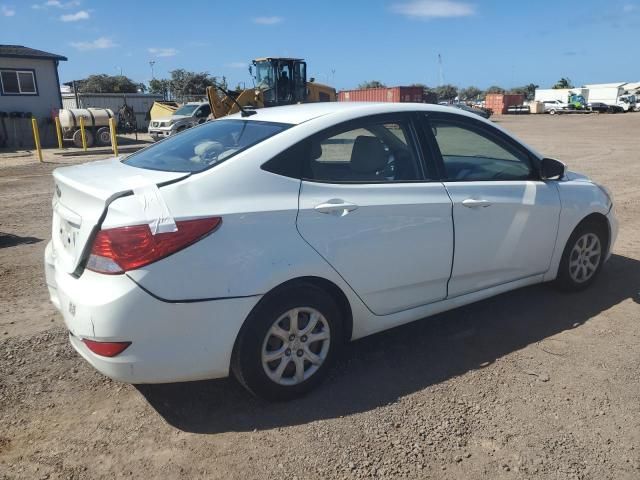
(605, 85)
(18, 51)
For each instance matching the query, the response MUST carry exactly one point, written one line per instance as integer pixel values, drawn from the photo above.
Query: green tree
(104, 83)
(446, 92)
(495, 89)
(564, 82)
(470, 93)
(185, 84)
(160, 87)
(371, 84)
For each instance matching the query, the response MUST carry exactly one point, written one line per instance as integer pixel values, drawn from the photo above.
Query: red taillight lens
(117, 250)
(106, 349)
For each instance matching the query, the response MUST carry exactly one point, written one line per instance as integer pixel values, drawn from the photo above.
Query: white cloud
(74, 17)
(56, 4)
(97, 44)
(7, 11)
(267, 20)
(433, 9)
(163, 52)
(237, 65)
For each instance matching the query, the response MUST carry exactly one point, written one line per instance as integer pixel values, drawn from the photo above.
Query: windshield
(203, 147)
(266, 81)
(186, 110)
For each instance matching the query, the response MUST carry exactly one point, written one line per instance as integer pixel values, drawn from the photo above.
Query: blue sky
(482, 42)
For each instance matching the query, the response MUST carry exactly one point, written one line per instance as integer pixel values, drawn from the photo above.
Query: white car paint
(392, 257)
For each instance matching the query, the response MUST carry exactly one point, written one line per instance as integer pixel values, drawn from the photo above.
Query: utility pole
(441, 79)
(151, 64)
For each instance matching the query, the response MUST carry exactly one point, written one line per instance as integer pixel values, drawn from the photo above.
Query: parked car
(187, 116)
(483, 112)
(604, 108)
(260, 244)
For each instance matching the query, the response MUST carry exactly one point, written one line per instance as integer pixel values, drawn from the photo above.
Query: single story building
(29, 87)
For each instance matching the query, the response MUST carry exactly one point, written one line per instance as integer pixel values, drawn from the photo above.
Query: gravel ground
(529, 384)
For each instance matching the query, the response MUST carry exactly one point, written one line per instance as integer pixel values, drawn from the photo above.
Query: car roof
(300, 113)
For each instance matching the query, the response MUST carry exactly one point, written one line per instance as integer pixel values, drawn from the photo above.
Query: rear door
(371, 210)
(505, 217)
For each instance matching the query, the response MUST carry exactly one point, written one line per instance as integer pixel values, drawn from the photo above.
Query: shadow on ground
(379, 369)
(11, 240)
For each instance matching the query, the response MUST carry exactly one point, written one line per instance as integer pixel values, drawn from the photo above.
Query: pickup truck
(187, 116)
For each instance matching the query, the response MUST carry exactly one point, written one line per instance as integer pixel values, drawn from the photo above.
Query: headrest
(368, 155)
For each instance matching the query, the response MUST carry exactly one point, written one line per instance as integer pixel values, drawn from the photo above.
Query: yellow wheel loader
(279, 81)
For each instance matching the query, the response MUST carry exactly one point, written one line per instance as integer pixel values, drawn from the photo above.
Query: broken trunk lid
(82, 193)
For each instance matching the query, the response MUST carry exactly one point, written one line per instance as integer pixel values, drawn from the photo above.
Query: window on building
(18, 82)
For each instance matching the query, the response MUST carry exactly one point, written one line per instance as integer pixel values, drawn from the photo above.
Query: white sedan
(259, 244)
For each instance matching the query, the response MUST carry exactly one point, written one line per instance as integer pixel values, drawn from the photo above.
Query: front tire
(288, 343)
(582, 258)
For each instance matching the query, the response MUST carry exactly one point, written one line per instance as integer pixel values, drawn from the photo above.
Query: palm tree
(564, 82)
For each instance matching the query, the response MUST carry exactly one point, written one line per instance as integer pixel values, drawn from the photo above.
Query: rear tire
(103, 136)
(77, 138)
(582, 258)
(276, 359)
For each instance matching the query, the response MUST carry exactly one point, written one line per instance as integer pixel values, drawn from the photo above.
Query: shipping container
(500, 102)
(391, 94)
(140, 102)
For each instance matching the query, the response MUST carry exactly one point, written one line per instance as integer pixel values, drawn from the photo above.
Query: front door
(367, 207)
(505, 218)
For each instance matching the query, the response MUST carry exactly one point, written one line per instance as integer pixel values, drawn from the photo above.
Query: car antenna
(243, 111)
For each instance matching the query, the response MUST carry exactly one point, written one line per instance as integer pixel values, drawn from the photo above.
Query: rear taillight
(106, 349)
(117, 250)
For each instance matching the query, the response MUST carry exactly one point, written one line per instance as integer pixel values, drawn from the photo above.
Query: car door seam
(453, 243)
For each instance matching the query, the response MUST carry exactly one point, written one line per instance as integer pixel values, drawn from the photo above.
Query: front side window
(17, 82)
(205, 146)
(471, 154)
(375, 152)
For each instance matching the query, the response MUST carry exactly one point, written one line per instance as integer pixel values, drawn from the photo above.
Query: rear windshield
(204, 146)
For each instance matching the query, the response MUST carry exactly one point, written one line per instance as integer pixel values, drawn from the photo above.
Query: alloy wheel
(585, 257)
(296, 346)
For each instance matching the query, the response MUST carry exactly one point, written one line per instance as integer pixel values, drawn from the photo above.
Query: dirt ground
(530, 384)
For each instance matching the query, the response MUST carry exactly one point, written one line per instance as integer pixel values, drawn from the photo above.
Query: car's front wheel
(582, 257)
(288, 343)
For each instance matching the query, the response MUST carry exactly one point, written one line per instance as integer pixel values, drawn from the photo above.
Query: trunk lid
(82, 194)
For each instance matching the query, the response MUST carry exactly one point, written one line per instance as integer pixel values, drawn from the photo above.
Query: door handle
(475, 203)
(336, 207)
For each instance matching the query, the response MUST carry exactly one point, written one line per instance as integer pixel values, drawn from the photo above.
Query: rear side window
(203, 147)
(372, 153)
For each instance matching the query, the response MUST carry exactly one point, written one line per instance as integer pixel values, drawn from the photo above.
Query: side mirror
(250, 70)
(551, 169)
(312, 79)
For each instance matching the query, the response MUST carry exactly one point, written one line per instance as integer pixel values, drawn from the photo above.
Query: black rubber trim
(190, 300)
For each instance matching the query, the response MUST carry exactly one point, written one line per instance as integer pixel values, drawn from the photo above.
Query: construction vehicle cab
(278, 81)
(283, 81)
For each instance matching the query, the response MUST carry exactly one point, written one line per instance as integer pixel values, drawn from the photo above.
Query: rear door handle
(475, 203)
(336, 207)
